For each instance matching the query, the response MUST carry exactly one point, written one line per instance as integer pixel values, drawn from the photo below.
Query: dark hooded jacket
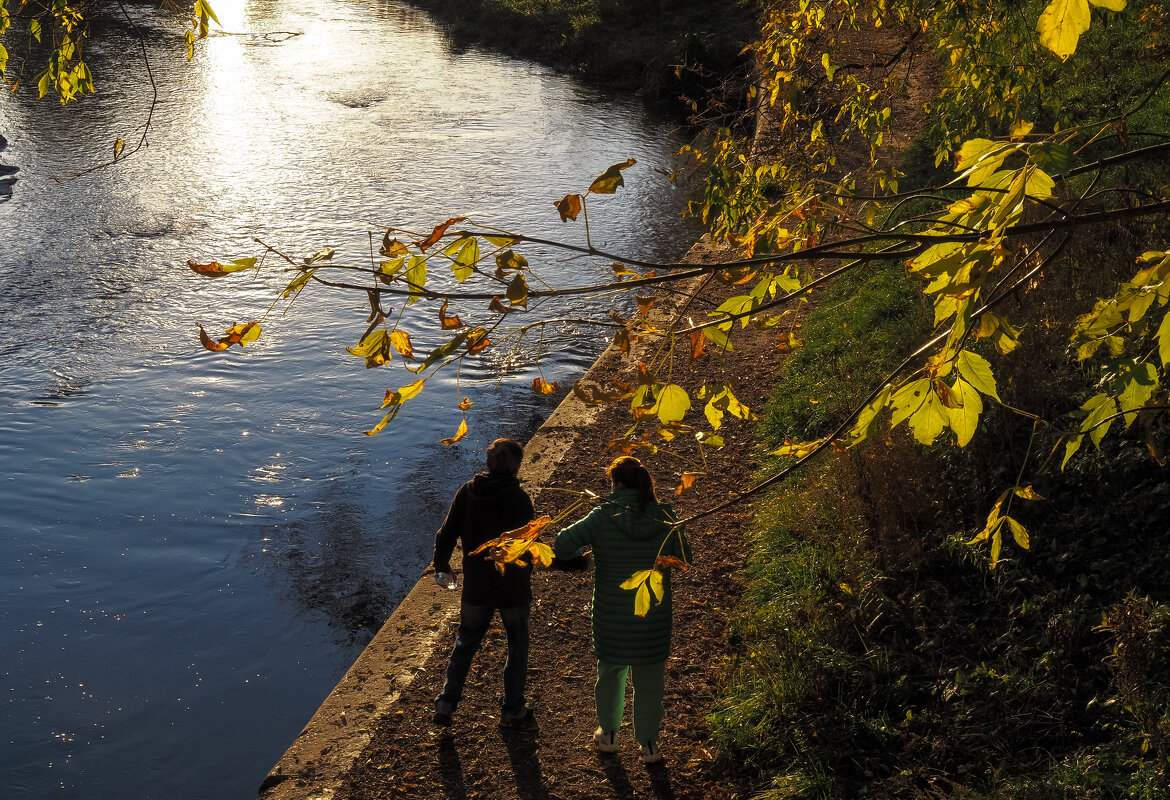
(625, 541)
(486, 506)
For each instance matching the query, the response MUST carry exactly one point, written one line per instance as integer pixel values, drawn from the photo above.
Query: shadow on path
(522, 751)
(451, 769)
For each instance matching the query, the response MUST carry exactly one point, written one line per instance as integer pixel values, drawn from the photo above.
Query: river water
(197, 545)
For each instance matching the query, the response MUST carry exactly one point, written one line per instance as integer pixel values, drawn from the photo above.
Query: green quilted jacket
(625, 541)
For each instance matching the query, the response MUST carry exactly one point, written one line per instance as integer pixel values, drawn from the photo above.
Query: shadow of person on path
(521, 746)
(451, 769)
(660, 781)
(618, 778)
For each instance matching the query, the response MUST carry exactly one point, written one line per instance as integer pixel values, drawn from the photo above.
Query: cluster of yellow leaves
(998, 518)
(1132, 382)
(510, 547)
(649, 582)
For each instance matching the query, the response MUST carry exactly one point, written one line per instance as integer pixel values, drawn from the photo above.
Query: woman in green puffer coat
(628, 533)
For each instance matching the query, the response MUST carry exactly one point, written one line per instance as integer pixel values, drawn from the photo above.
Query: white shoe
(606, 741)
(650, 752)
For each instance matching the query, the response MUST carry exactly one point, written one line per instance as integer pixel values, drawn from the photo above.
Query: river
(197, 545)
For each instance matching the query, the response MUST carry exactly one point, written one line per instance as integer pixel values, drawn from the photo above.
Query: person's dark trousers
(473, 624)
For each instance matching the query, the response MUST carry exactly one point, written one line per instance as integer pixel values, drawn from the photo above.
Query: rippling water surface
(197, 545)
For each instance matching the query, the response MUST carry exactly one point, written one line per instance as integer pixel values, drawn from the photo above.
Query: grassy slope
(876, 653)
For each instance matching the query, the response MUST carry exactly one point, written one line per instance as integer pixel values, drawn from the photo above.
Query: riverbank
(663, 50)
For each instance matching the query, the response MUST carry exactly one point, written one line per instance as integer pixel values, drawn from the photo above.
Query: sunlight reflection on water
(201, 543)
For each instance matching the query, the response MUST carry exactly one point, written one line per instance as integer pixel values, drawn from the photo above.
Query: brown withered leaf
(497, 305)
(569, 207)
(210, 343)
(621, 340)
(644, 304)
(628, 446)
(738, 276)
(586, 393)
(391, 247)
(671, 561)
(243, 334)
(445, 322)
(510, 260)
(438, 232)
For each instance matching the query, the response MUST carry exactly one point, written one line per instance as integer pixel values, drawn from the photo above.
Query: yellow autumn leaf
(637, 579)
(459, 434)
(655, 584)
(401, 342)
(542, 554)
(642, 601)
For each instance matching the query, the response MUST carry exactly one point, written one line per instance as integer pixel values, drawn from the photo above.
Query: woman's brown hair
(504, 457)
(629, 472)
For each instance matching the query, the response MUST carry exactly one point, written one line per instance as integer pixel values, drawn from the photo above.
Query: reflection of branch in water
(275, 37)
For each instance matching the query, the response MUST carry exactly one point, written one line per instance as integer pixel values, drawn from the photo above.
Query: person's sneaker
(650, 752)
(522, 720)
(606, 741)
(443, 712)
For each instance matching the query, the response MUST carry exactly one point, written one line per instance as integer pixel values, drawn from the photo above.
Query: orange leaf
(210, 343)
(477, 340)
(508, 547)
(569, 207)
(697, 339)
(645, 304)
(459, 434)
(541, 386)
(671, 561)
(644, 376)
(465, 404)
(438, 232)
(686, 481)
(446, 322)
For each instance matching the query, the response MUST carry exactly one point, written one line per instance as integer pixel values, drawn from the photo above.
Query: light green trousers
(649, 685)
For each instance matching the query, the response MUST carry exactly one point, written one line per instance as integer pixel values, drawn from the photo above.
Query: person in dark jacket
(628, 532)
(488, 505)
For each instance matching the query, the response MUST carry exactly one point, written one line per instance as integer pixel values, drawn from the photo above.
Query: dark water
(196, 546)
